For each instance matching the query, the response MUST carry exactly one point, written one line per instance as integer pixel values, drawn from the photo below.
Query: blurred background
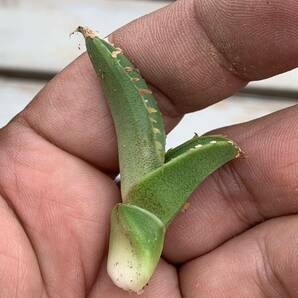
(35, 44)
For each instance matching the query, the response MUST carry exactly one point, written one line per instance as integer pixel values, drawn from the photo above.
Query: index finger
(194, 53)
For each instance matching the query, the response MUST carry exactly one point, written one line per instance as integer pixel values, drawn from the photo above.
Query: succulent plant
(154, 185)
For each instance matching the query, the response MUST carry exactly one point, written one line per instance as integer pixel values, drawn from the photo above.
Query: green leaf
(195, 141)
(136, 242)
(164, 191)
(137, 119)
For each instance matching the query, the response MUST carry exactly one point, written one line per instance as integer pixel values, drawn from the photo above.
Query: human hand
(58, 159)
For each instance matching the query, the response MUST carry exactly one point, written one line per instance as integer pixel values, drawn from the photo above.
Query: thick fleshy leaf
(137, 119)
(136, 242)
(164, 191)
(192, 143)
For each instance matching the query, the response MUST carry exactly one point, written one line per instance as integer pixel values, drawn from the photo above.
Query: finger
(164, 283)
(197, 52)
(260, 263)
(245, 192)
(71, 113)
(184, 55)
(19, 271)
(62, 203)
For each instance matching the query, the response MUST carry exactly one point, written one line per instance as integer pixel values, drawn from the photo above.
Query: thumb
(197, 52)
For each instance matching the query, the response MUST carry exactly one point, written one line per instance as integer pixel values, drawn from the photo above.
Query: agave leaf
(136, 242)
(137, 119)
(164, 191)
(192, 143)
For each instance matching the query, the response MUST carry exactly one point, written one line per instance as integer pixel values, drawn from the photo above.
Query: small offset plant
(154, 185)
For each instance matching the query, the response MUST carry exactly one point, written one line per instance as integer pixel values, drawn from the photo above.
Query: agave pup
(154, 185)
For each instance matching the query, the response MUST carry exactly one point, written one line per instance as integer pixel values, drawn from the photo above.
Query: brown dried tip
(129, 68)
(143, 92)
(240, 153)
(87, 32)
(185, 207)
(116, 53)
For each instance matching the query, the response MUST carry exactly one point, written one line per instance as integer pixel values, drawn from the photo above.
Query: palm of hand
(55, 205)
(58, 160)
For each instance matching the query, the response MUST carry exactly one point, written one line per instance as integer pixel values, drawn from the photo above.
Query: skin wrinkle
(211, 57)
(222, 59)
(271, 277)
(85, 284)
(16, 216)
(18, 276)
(15, 213)
(229, 64)
(238, 208)
(13, 209)
(253, 201)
